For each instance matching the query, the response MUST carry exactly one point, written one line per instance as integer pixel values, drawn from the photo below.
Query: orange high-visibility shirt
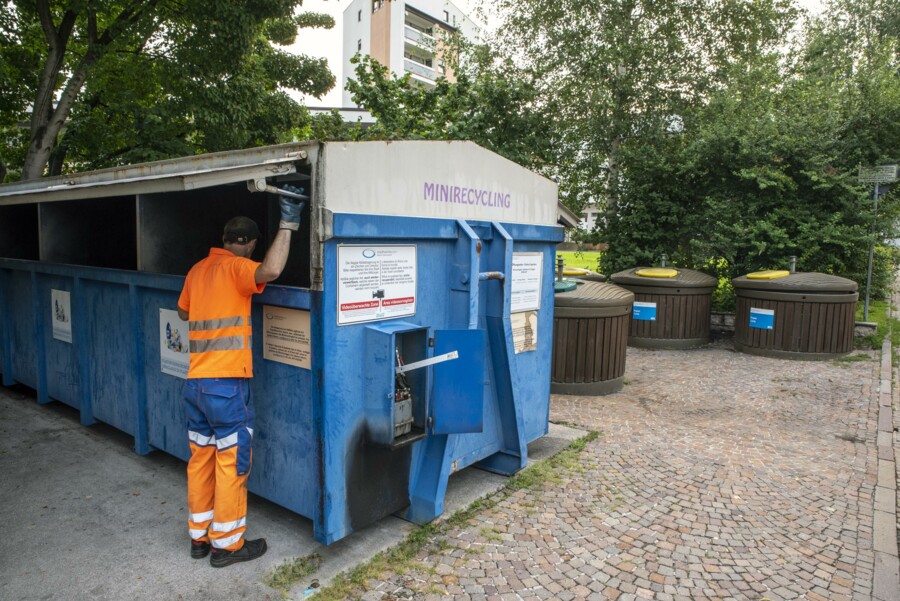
(216, 295)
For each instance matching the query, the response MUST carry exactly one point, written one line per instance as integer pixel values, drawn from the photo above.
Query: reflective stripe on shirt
(216, 324)
(226, 343)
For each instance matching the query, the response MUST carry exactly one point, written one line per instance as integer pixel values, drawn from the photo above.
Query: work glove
(290, 209)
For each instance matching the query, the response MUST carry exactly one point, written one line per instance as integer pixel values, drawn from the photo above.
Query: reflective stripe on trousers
(220, 430)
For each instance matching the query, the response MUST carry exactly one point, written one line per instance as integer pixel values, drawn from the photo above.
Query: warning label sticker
(376, 282)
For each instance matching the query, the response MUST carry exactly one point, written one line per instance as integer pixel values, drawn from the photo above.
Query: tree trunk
(47, 120)
(612, 173)
(42, 112)
(44, 131)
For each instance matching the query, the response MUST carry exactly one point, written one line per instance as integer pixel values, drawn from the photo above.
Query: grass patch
(843, 361)
(885, 327)
(853, 358)
(877, 315)
(399, 558)
(588, 259)
(293, 571)
(491, 534)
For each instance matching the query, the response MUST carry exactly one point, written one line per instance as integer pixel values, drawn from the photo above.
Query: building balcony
(418, 69)
(418, 37)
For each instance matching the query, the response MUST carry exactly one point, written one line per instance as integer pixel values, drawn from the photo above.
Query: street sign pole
(882, 174)
(871, 256)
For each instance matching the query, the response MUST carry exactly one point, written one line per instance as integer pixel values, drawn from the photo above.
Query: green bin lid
(595, 294)
(808, 282)
(684, 278)
(564, 285)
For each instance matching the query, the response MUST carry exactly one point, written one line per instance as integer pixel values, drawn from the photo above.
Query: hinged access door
(458, 393)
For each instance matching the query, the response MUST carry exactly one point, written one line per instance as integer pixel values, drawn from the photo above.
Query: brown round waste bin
(671, 306)
(590, 335)
(794, 315)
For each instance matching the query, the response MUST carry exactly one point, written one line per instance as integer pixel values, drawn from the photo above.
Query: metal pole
(871, 257)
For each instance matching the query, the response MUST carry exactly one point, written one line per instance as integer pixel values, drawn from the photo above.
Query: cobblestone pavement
(717, 475)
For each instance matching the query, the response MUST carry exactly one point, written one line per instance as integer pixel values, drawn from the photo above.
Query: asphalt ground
(716, 475)
(85, 518)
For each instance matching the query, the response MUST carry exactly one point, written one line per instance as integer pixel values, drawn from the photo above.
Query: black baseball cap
(240, 230)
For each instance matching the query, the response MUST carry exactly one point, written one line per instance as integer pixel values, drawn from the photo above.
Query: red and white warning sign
(376, 282)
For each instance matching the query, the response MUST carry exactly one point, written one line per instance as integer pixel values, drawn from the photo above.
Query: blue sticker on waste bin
(764, 319)
(644, 311)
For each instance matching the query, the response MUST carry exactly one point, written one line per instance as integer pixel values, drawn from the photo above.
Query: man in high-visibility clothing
(216, 303)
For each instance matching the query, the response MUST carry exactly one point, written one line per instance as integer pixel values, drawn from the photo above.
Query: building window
(446, 16)
(359, 45)
(442, 69)
(359, 17)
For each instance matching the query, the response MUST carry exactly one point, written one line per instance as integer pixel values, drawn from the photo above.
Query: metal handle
(491, 275)
(402, 369)
(260, 185)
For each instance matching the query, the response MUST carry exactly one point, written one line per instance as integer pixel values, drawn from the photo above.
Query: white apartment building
(404, 36)
(589, 216)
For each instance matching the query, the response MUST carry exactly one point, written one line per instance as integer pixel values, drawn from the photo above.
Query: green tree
(611, 71)
(110, 81)
(490, 103)
(766, 166)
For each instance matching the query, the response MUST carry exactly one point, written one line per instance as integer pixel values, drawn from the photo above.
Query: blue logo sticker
(368, 253)
(644, 311)
(763, 319)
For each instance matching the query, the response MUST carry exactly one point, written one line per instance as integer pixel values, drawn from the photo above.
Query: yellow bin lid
(657, 272)
(768, 274)
(575, 271)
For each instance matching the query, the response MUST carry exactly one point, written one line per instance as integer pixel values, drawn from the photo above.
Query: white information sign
(527, 270)
(286, 336)
(376, 282)
(882, 174)
(174, 344)
(524, 331)
(61, 301)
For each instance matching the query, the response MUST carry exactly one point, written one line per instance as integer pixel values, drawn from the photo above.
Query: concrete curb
(886, 576)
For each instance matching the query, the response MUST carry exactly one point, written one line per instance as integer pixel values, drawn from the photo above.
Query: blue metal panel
(364, 482)
(63, 383)
(5, 341)
(81, 341)
(523, 232)
(513, 455)
(109, 352)
(22, 331)
(378, 368)
(533, 392)
(141, 442)
(166, 421)
(458, 392)
(390, 229)
(285, 450)
(39, 340)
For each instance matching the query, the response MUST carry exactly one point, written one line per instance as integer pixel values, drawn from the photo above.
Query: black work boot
(250, 551)
(199, 549)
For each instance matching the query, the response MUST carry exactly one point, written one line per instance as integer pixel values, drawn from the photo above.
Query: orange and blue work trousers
(220, 430)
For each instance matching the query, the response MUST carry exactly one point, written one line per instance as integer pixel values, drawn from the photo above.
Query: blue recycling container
(409, 336)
